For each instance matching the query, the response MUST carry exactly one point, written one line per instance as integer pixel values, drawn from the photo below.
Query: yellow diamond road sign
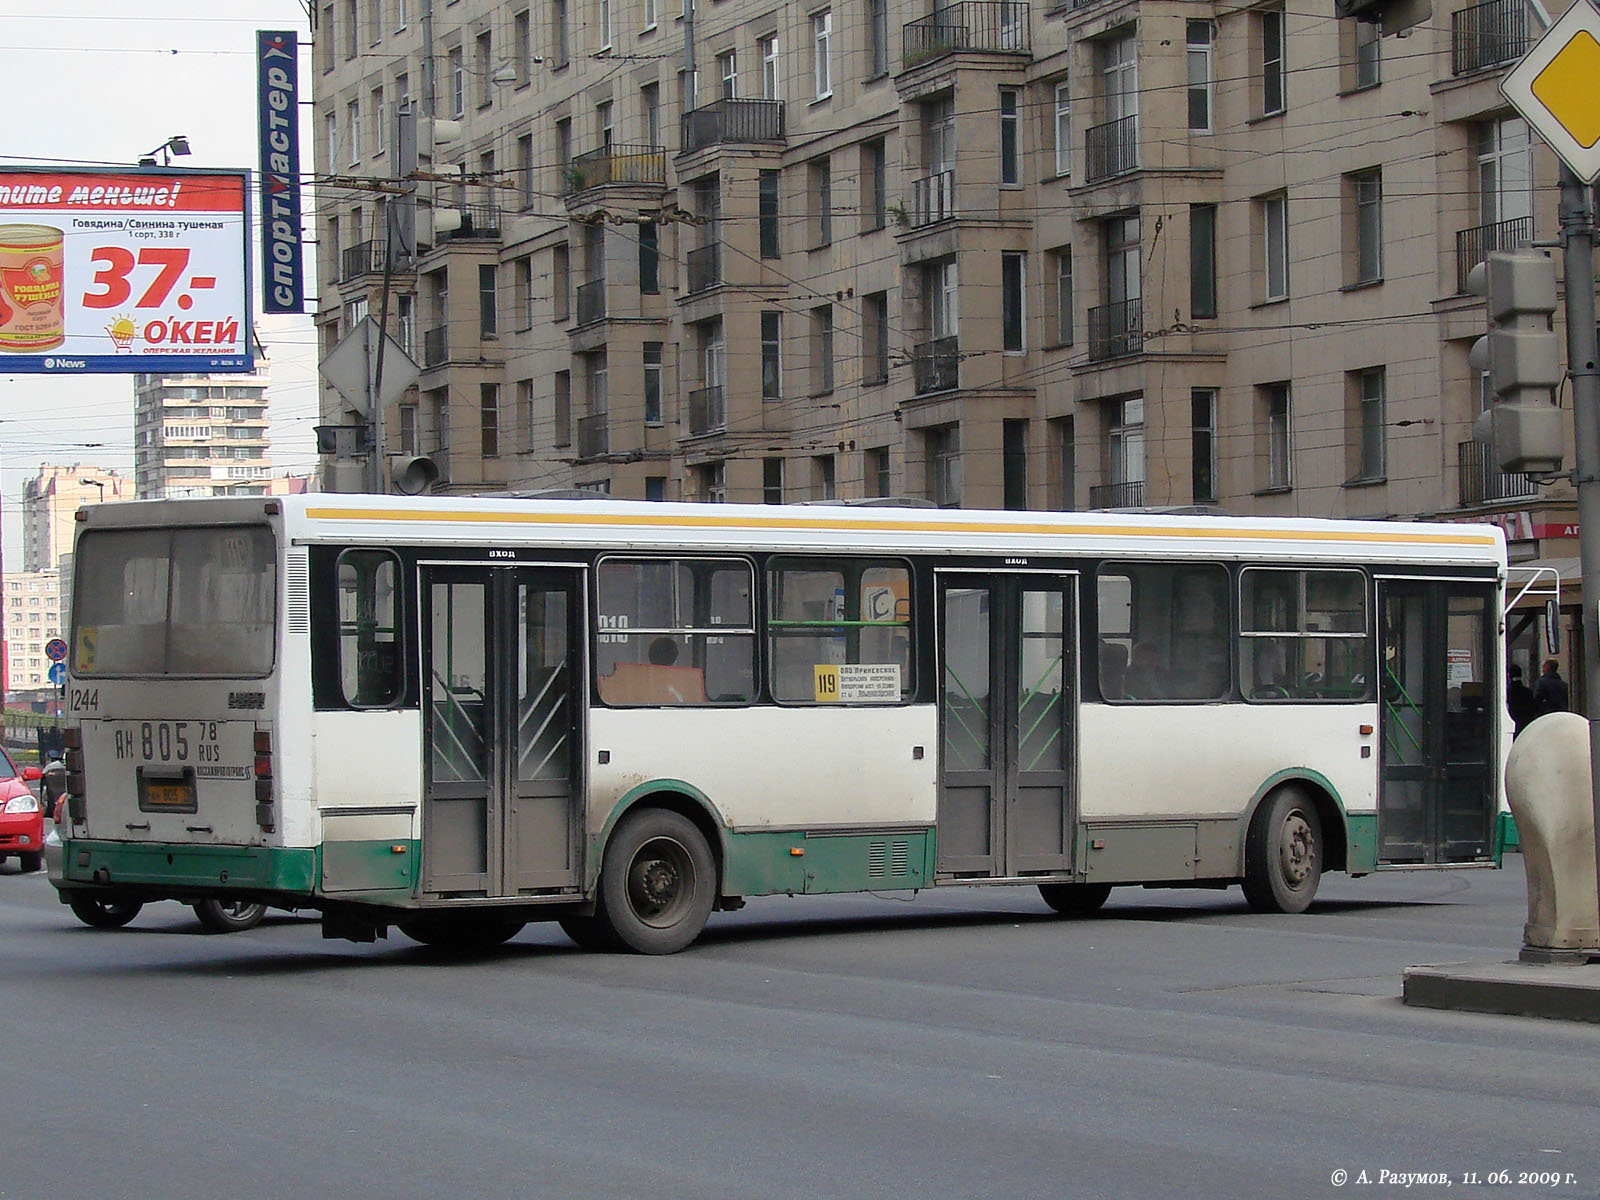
(1556, 88)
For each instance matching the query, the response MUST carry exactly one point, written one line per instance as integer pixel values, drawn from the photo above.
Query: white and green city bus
(459, 715)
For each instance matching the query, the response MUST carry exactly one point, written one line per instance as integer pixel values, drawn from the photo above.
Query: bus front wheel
(1074, 899)
(1283, 854)
(657, 884)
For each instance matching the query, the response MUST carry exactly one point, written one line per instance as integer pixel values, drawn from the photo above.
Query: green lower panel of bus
(256, 867)
(799, 862)
(1362, 844)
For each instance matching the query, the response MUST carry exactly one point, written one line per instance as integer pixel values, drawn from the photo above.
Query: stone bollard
(1548, 786)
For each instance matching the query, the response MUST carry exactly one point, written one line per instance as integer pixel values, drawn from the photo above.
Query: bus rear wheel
(1074, 899)
(1283, 854)
(97, 912)
(658, 883)
(229, 916)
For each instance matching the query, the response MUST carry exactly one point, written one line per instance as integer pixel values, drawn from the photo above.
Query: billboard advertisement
(278, 105)
(124, 271)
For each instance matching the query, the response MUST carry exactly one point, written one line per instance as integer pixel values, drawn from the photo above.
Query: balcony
(1481, 482)
(708, 411)
(479, 222)
(591, 302)
(1475, 245)
(1116, 330)
(933, 198)
(617, 164)
(935, 366)
(366, 258)
(1487, 35)
(593, 439)
(1112, 148)
(976, 26)
(704, 267)
(733, 120)
(1129, 494)
(435, 346)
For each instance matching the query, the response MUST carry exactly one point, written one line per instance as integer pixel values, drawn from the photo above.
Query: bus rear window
(183, 602)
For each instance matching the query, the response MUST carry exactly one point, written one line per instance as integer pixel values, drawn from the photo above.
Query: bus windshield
(175, 602)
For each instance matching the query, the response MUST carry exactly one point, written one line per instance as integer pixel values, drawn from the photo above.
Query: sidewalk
(1563, 991)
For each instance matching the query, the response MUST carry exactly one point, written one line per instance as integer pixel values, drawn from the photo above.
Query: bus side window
(371, 667)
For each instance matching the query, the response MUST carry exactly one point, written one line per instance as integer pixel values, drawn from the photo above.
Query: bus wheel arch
(658, 881)
(1289, 843)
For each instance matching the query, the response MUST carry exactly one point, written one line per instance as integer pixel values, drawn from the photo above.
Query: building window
(875, 338)
(1010, 151)
(1063, 129)
(522, 47)
(352, 112)
(525, 193)
(1064, 480)
(878, 478)
(1014, 464)
(1273, 433)
(652, 383)
(768, 213)
(1366, 390)
(1364, 55)
(458, 82)
(1061, 296)
(489, 418)
(819, 175)
(728, 68)
(650, 258)
(874, 186)
(562, 408)
(488, 299)
(771, 355)
(768, 49)
(1273, 214)
(1269, 32)
(484, 65)
(1201, 35)
(560, 282)
(1202, 260)
(525, 414)
(824, 481)
(944, 466)
(604, 7)
(650, 109)
(1505, 170)
(772, 481)
(822, 350)
(560, 41)
(1364, 195)
(649, 14)
(380, 121)
(1203, 443)
(1125, 445)
(822, 53)
(1013, 314)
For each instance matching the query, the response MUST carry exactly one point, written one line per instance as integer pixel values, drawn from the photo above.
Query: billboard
(278, 107)
(123, 271)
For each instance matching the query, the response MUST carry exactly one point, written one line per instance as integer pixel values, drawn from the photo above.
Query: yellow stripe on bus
(680, 520)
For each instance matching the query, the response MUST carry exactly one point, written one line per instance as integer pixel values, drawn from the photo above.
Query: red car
(21, 815)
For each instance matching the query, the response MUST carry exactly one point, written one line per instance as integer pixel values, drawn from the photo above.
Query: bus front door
(1007, 703)
(1436, 794)
(501, 693)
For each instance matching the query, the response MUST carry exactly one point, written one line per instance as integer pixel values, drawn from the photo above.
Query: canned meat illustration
(30, 288)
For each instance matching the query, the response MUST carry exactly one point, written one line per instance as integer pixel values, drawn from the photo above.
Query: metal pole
(1583, 365)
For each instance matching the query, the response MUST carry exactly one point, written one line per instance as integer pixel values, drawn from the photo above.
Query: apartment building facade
(1056, 255)
(50, 501)
(201, 435)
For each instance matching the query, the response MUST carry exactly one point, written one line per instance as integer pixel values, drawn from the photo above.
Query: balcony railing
(591, 301)
(1475, 245)
(1129, 494)
(479, 222)
(708, 411)
(1481, 482)
(1487, 35)
(733, 120)
(435, 346)
(366, 258)
(704, 267)
(617, 164)
(1116, 330)
(933, 198)
(936, 366)
(1112, 148)
(593, 438)
(975, 26)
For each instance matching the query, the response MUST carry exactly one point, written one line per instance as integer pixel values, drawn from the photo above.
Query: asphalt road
(962, 1044)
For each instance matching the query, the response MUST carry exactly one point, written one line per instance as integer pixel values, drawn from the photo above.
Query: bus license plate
(167, 793)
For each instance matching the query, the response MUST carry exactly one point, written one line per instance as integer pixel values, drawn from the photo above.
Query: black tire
(30, 862)
(589, 933)
(460, 933)
(99, 912)
(229, 916)
(1074, 899)
(658, 883)
(1283, 853)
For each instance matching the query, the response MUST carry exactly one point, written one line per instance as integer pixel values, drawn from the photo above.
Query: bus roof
(604, 524)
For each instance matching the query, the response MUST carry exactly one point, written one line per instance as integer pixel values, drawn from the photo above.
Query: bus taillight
(263, 754)
(72, 743)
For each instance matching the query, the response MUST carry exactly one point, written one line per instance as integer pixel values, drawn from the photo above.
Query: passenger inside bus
(658, 681)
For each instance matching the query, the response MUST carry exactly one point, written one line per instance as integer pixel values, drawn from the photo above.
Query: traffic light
(1522, 354)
